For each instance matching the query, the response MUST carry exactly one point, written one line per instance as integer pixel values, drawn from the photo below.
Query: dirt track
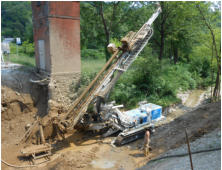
(87, 151)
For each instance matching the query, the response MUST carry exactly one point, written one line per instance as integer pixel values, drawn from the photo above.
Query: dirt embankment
(197, 122)
(18, 80)
(21, 101)
(17, 109)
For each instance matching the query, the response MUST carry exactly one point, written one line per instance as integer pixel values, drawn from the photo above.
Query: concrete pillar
(57, 45)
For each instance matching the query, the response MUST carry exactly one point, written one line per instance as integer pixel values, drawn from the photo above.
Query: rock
(27, 126)
(17, 93)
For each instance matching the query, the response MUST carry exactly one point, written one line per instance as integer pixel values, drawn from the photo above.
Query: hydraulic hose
(22, 166)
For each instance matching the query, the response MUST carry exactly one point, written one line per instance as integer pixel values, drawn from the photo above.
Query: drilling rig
(105, 116)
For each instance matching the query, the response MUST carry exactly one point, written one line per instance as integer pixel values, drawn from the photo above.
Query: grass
(21, 59)
(89, 69)
(88, 65)
(92, 65)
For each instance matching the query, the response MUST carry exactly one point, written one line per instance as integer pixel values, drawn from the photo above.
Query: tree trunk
(175, 54)
(216, 88)
(216, 92)
(106, 32)
(161, 43)
(162, 31)
(187, 57)
(112, 26)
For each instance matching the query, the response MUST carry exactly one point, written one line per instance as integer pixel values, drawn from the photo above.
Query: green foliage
(28, 48)
(21, 59)
(156, 82)
(127, 94)
(120, 18)
(84, 80)
(187, 60)
(92, 65)
(116, 42)
(17, 20)
(22, 54)
(184, 36)
(13, 48)
(92, 53)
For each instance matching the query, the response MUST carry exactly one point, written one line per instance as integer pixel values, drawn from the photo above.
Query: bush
(13, 48)
(27, 48)
(116, 42)
(154, 81)
(21, 57)
(127, 94)
(201, 70)
(83, 82)
(92, 53)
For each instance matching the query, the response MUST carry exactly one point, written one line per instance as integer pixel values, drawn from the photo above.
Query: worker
(146, 142)
(147, 147)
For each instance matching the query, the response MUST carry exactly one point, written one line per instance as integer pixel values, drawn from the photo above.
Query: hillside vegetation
(184, 52)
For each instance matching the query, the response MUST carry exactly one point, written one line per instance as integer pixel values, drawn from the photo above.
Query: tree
(161, 26)
(175, 30)
(110, 23)
(216, 92)
(17, 20)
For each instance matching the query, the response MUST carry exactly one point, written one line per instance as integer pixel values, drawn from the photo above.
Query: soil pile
(17, 111)
(15, 104)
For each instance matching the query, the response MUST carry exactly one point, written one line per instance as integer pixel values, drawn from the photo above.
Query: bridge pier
(56, 27)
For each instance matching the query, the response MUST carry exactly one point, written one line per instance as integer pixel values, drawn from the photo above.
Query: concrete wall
(57, 45)
(65, 36)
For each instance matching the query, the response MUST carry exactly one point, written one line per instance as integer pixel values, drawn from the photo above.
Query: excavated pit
(22, 101)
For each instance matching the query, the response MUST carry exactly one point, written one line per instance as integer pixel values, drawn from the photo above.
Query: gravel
(201, 161)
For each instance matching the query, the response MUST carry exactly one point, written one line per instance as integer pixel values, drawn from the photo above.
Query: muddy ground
(21, 102)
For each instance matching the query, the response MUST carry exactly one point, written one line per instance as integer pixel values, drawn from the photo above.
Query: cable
(39, 81)
(24, 166)
(184, 154)
(16, 166)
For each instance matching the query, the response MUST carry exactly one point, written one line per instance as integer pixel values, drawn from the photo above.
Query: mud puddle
(103, 163)
(109, 157)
